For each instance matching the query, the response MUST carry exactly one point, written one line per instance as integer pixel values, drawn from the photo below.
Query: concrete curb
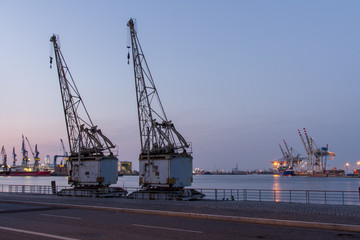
(265, 221)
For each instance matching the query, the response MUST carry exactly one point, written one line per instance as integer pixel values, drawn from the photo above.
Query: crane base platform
(167, 194)
(101, 192)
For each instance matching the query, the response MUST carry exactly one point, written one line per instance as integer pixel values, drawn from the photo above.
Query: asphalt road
(19, 221)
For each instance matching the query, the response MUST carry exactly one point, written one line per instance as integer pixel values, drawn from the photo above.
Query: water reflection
(270, 182)
(276, 187)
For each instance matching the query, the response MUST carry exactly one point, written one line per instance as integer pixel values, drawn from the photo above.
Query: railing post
(245, 195)
(307, 196)
(215, 194)
(325, 197)
(343, 198)
(274, 195)
(260, 195)
(53, 187)
(290, 196)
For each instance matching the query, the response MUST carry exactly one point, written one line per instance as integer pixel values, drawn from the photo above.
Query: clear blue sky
(234, 76)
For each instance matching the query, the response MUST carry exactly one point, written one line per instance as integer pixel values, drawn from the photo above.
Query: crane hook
(51, 61)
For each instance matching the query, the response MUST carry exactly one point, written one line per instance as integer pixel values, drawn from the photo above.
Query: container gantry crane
(165, 159)
(316, 157)
(91, 161)
(291, 158)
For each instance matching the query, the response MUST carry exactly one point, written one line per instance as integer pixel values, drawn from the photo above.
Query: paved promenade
(337, 214)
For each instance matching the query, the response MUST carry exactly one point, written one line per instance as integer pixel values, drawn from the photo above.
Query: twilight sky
(236, 77)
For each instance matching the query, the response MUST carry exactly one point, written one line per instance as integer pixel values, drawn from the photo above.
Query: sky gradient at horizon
(236, 77)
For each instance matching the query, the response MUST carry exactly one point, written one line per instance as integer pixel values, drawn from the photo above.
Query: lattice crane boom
(83, 135)
(157, 133)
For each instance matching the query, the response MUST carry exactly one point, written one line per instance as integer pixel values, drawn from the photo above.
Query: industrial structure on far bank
(315, 162)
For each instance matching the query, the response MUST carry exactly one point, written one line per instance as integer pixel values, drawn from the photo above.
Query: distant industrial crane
(316, 157)
(25, 157)
(64, 155)
(291, 158)
(14, 157)
(4, 159)
(165, 156)
(63, 148)
(35, 155)
(285, 155)
(91, 160)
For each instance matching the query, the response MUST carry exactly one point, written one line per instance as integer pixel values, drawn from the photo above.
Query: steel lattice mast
(4, 158)
(157, 133)
(83, 136)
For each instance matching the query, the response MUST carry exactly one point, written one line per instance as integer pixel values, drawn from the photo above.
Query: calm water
(222, 182)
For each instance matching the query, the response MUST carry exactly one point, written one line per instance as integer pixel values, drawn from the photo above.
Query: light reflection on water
(274, 182)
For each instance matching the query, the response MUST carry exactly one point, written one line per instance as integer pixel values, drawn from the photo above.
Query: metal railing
(30, 189)
(290, 196)
(262, 195)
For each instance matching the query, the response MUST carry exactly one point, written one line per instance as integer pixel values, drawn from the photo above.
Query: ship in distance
(25, 169)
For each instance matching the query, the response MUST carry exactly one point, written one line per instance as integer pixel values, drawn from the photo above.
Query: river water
(274, 182)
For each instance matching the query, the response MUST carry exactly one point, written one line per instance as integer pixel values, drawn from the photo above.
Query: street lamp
(346, 166)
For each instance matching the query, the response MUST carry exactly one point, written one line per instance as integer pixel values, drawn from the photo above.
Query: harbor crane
(35, 155)
(282, 163)
(285, 156)
(91, 162)
(316, 157)
(165, 160)
(25, 157)
(4, 165)
(309, 161)
(14, 157)
(291, 158)
(64, 155)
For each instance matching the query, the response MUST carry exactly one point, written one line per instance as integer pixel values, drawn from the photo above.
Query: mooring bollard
(53, 187)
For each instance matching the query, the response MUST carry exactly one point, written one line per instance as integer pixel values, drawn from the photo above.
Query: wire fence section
(261, 195)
